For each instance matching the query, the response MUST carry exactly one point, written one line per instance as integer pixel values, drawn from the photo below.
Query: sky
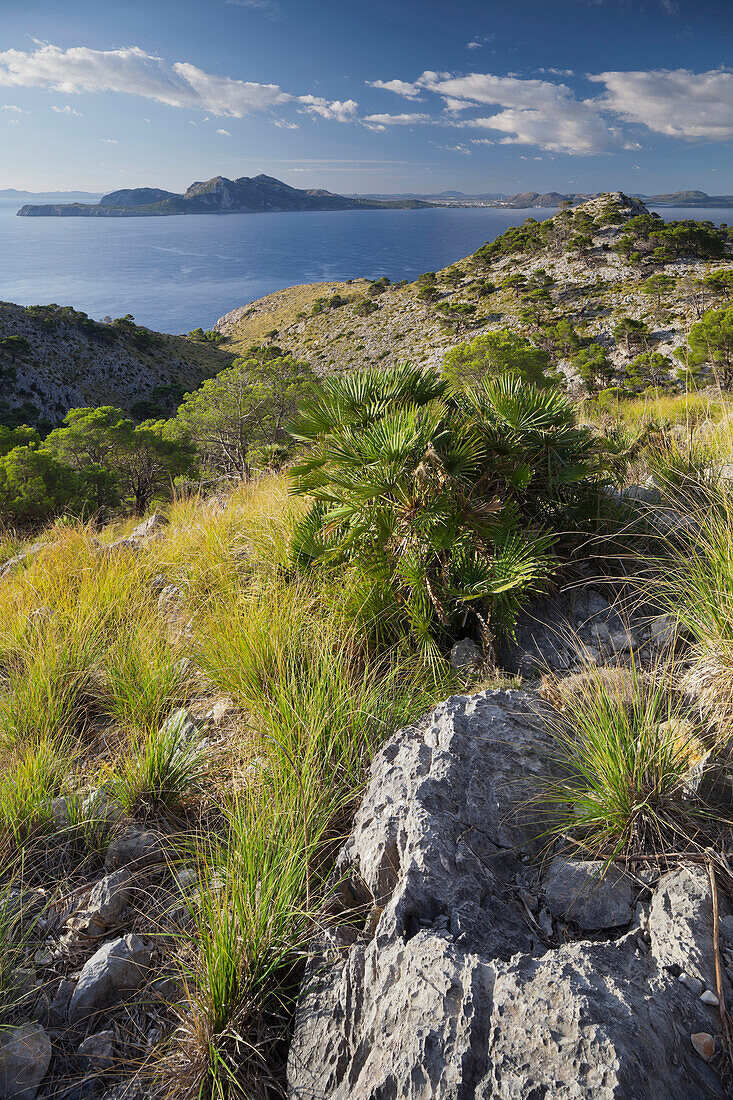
(366, 96)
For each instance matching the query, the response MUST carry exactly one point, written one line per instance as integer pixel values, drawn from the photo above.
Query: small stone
(117, 968)
(170, 601)
(703, 1044)
(545, 922)
(663, 632)
(135, 848)
(97, 1051)
(107, 901)
(25, 1055)
(59, 1008)
(101, 808)
(159, 582)
(465, 654)
(709, 998)
(694, 985)
(153, 525)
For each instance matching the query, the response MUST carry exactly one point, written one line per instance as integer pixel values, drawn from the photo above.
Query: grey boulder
(97, 1051)
(106, 903)
(119, 967)
(25, 1055)
(134, 848)
(435, 979)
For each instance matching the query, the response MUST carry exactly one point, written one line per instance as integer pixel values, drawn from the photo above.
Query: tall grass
(623, 751)
(87, 661)
(697, 585)
(251, 923)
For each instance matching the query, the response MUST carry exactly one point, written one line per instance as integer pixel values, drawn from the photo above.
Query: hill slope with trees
(606, 290)
(55, 358)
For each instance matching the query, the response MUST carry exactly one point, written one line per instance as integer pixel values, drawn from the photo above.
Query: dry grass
(90, 667)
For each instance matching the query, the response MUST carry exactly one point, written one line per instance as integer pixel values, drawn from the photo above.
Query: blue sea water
(175, 273)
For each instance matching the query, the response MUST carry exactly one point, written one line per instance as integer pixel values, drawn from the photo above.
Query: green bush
(448, 502)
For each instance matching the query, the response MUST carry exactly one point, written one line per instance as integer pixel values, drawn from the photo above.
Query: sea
(177, 273)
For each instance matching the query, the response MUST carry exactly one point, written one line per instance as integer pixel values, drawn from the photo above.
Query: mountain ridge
(218, 195)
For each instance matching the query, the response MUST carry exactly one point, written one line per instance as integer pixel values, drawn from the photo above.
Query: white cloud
(224, 133)
(482, 141)
(380, 122)
(337, 110)
(479, 41)
(535, 112)
(134, 72)
(110, 141)
(67, 111)
(399, 87)
(678, 103)
(282, 124)
(269, 6)
(12, 107)
(14, 121)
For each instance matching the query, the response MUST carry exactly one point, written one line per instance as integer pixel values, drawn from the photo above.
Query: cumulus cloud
(283, 124)
(225, 133)
(135, 72)
(12, 107)
(380, 122)
(479, 41)
(337, 110)
(678, 102)
(399, 87)
(109, 141)
(67, 111)
(535, 112)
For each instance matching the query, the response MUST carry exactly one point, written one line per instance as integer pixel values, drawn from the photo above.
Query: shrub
(447, 502)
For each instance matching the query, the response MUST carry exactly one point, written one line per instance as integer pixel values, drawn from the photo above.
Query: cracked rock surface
(437, 979)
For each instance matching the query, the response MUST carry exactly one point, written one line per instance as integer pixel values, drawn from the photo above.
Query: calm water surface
(173, 273)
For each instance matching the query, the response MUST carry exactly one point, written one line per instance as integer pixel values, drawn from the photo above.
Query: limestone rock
(576, 891)
(97, 1051)
(434, 981)
(134, 848)
(12, 565)
(170, 601)
(25, 1055)
(119, 967)
(681, 921)
(465, 654)
(106, 903)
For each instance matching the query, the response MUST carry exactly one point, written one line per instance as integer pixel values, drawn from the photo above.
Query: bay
(176, 273)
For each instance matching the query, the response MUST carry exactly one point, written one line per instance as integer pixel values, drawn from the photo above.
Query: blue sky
(368, 95)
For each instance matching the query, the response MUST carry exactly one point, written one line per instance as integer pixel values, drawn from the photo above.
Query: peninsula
(246, 195)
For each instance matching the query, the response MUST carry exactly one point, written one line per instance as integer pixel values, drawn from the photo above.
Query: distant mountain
(219, 195)
(458, 196)
(688, 198)
(49, 196)
(494, 198)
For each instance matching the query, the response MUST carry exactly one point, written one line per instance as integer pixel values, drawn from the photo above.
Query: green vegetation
(447, 503)
(494, 354)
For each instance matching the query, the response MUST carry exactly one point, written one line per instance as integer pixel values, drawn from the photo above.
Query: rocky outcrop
(458, 966)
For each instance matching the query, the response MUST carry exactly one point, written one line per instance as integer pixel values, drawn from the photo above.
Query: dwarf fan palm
(441, 498)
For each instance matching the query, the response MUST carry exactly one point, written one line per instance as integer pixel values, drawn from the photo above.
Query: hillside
(56, 358)
(588, 283)
(246, 195)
